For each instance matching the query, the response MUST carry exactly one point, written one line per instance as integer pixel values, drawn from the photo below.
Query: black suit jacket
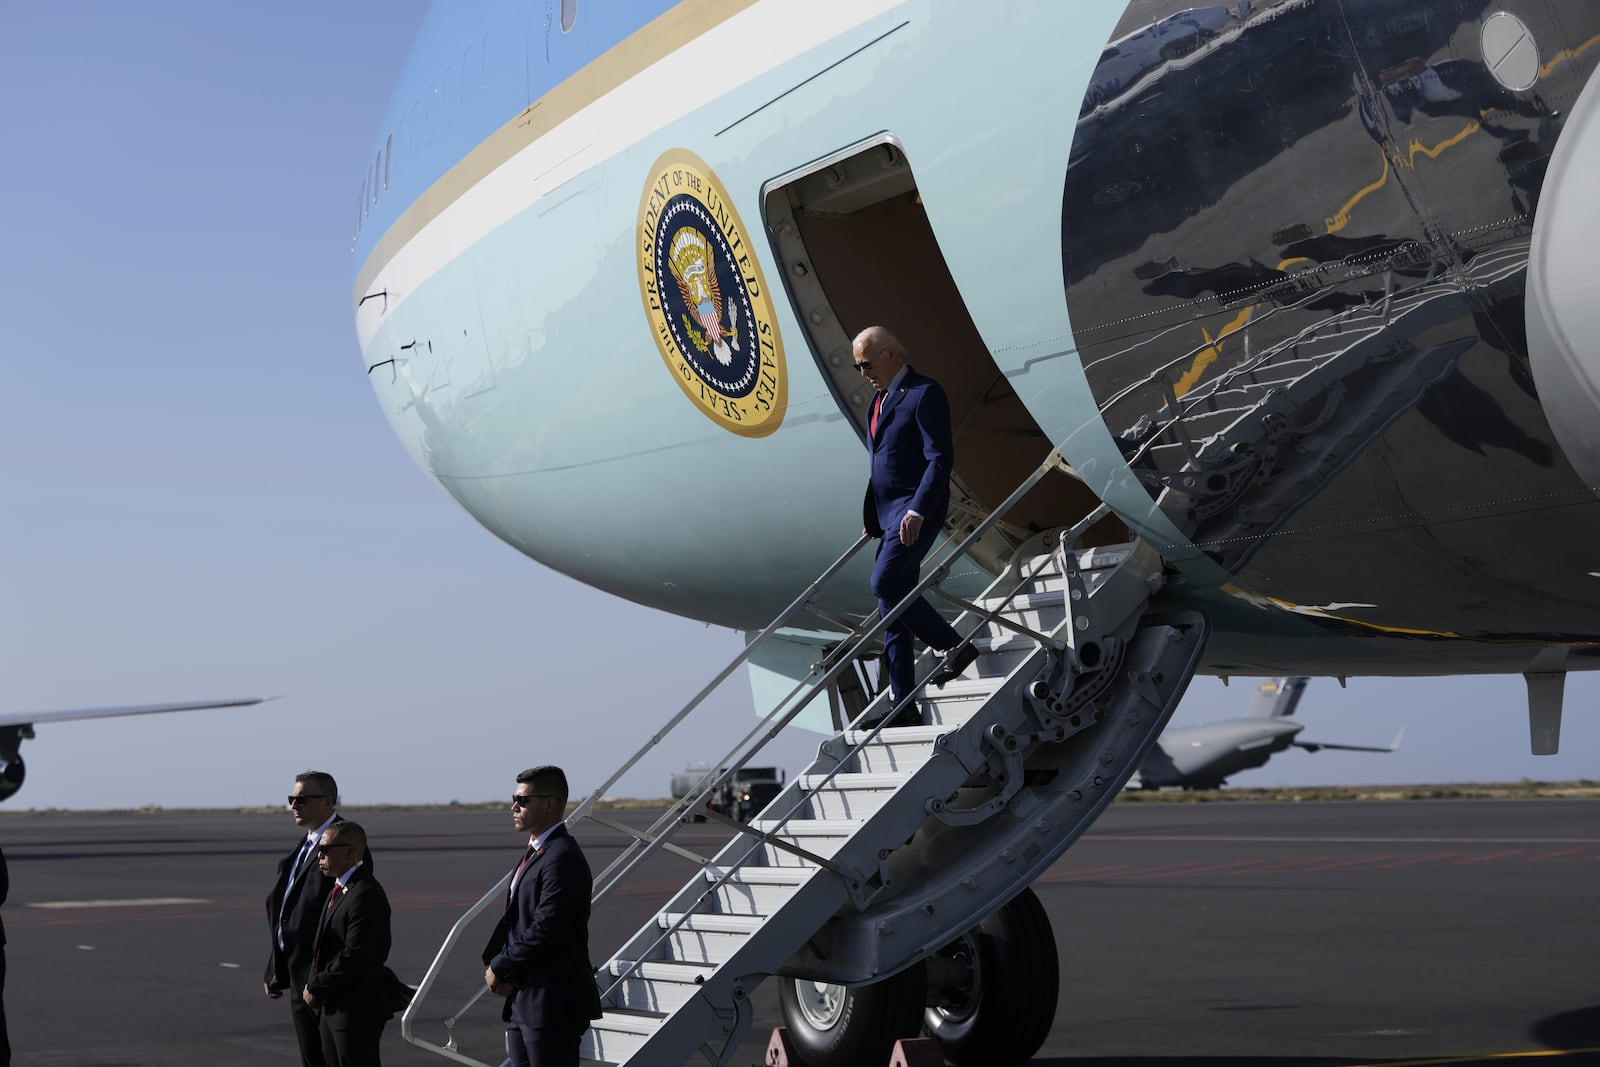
(350, 949)
(542, 943)
(289, 967)
(912, 457)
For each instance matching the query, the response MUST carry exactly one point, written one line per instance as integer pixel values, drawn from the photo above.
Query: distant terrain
(1583, 789)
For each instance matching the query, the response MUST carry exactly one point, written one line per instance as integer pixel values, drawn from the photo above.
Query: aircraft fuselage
(1257, 270)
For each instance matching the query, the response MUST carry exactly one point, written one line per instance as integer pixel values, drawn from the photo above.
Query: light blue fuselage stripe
(474, 66)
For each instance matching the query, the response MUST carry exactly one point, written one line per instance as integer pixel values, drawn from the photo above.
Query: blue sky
(203, 499)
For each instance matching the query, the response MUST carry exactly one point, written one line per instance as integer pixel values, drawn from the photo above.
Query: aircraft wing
(1312, 746)
(33, 718)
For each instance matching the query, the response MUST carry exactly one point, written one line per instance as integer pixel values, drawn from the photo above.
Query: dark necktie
(502, 929)
(300, 857)
(877, 406)
(527, 857)
(288, 885)
(333, 896)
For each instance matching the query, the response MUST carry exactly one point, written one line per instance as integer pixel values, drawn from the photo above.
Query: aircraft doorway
(857, 250)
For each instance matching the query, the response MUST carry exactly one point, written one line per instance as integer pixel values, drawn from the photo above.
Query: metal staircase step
(1035, 600)
(850, 796)
(619, 1033)
(1000, 641)
(895, 751)
(809, 828)
(707, 938)
(962, 688)
(822, 837)
(657, 985)
(757, 890)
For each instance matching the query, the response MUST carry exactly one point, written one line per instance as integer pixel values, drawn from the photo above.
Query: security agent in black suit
(5, 1040)
(538, 957)
(294, 907)
(350, 987)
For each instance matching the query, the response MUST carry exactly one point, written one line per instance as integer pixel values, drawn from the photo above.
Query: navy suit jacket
(542, 944)
(912, 456)
(350, 949)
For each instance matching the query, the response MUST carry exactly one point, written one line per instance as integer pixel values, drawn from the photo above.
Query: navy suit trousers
(547, 1046)
(894, 574)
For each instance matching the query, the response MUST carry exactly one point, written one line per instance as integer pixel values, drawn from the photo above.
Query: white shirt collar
(345, 877)
(894, 383)
(538, 840)
(316, 835)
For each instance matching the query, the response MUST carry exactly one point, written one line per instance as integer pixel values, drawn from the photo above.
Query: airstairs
(895, 840)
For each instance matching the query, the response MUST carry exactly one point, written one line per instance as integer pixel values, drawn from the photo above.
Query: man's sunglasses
(864, 365)
(296, 800)
(323, 850)
(520, 800)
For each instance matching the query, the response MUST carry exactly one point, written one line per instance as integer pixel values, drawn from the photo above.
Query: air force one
(18, 726)
(1268, 332)
(1205, 755)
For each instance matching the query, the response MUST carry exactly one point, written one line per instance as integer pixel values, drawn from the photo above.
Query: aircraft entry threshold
(1316, 935)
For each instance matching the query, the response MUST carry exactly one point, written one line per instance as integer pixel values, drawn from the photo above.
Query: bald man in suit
(350, 987)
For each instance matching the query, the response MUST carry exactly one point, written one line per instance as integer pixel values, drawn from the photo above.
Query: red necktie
(877, 405)
(316, 957)
(527, 857)
(332, 896)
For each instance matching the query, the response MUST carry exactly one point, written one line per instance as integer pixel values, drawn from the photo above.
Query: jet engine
(1563, 302)
(12, 771)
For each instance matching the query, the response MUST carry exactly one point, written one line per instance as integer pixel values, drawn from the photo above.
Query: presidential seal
(706, 299)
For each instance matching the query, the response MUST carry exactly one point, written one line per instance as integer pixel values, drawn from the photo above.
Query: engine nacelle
(1563, 303)
(11, 776)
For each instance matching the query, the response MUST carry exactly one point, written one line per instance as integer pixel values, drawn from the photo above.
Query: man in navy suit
(907, 497)
(538, 957)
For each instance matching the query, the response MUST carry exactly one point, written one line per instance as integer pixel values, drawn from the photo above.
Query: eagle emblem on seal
(694, 270)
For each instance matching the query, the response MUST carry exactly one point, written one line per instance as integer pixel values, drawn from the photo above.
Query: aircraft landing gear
(838, 1026)
(988, 997)
(1004, 1010)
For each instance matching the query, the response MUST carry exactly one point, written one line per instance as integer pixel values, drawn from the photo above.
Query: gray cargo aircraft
(1204, 756)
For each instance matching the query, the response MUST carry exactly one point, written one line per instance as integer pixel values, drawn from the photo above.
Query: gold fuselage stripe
(652, 42)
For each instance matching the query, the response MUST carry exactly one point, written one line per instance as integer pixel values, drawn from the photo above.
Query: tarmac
(1259, 934)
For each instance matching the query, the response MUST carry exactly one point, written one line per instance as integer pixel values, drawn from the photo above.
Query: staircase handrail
(744, 655)
(426, 985)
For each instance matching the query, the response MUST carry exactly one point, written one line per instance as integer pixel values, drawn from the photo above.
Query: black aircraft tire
(842, 1027)
(1007, 1013)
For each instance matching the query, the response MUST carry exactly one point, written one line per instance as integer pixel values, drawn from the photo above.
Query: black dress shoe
(954, 662)
(908, 716)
